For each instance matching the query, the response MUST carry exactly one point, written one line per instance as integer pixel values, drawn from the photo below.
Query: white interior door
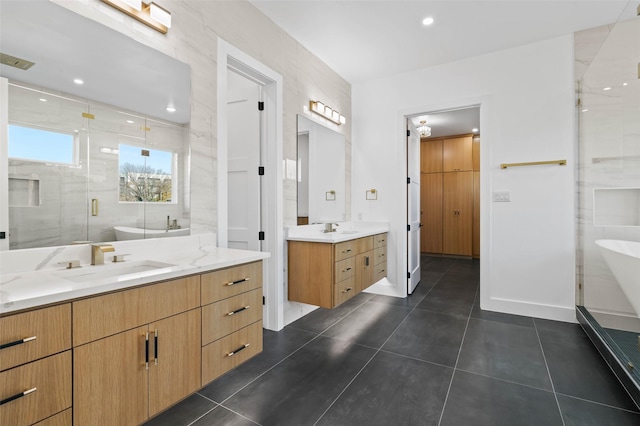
(243, 134)
(413, 207)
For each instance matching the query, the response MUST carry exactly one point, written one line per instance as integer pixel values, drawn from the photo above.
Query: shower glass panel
(608, 198)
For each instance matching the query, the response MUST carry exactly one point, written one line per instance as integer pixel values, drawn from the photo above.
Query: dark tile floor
(434, 358)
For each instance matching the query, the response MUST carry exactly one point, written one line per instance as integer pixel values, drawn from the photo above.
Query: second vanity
(96, 350)
(328, 268)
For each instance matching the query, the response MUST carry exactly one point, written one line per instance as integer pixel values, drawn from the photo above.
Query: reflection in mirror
(321, 174)
(70, 178)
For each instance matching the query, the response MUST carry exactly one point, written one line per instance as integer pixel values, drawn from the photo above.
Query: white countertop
(345, 231)
(147, 261)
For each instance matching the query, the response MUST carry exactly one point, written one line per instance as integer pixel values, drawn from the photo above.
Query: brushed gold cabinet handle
(238, 310)
(17, 342)
(346, 251)
(18, 395)
(347, 270)
(347, 290)
(246, 345)
(237, 282)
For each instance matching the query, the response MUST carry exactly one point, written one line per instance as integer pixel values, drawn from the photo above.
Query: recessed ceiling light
(78, 81)
(625, 84)
(474, 130)
(130, 121)
(427, 21)
(585, 110)
(43, 100)
(607, 88)
(171, 109)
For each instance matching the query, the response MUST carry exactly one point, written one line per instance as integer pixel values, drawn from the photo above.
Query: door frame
(272, 188)
(484, 103)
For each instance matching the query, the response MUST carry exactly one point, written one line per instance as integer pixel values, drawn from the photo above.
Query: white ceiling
(364, 40)
(368, 39)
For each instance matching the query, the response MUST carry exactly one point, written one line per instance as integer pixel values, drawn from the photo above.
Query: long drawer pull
(347, 270)
(244, 308)
(346, 251)
(237, 282)
(16, 396)
(155, 346)
(17, 342)
(146, 350)
(347, 290)
(245, 346)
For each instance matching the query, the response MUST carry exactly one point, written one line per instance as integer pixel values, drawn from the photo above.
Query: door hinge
(408, 180)
(261, 236)
(408, 228)
(260, 170)
(264, 301)
(260, 106)
(408, 274)
(408, 133)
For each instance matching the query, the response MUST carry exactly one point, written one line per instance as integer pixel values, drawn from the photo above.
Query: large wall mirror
(103, 160)
(321, 173)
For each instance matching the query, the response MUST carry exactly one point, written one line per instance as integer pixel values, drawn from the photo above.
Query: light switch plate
(502, 196)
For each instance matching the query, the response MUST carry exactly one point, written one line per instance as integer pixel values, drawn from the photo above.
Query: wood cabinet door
(457, 154)
(110, 380)
(431, 156)
(364, 270)
(175, 359)
(457, 213)
(476, 214)
(431, 207)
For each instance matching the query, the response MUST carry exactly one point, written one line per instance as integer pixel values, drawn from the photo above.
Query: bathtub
(124, 233)
(623, 258)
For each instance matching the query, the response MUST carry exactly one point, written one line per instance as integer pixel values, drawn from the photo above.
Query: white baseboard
(517, 307)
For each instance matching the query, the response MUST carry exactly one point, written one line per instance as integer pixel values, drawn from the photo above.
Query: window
(145, 174)
(27, 143)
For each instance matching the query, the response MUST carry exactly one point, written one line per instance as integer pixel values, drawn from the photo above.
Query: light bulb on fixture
(425, 131)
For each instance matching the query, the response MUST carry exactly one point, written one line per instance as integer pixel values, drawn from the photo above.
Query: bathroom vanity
(328, 268)
(99, 354)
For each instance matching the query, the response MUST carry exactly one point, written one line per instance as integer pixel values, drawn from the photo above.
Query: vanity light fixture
(425, 131)
(145, 11)
(327, 112)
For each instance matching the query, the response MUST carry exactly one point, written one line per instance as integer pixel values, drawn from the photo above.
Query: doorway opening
(446, 197)
(262, 209)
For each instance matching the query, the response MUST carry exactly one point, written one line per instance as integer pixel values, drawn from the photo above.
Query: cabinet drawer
(222, 318)
(364, 244)
(51, 328)
(344, 250)
(344, 291)
(345, 269)
(380, 255)
(227, 353)
(51, 377)
(60, 419)
(380, 240)
(228, 282)
(106, 315)
(379, 272)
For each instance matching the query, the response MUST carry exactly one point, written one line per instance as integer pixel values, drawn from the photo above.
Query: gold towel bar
(534, 163)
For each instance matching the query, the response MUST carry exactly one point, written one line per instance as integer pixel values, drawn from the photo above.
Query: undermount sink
(121, 271)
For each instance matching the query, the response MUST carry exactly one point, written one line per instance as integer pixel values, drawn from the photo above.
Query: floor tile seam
(346, 387)
(438, 312)
(501, 379)
(241, 415)
(505, 323)
(387, 351)
(455, 367)
(598, 403)
(268, 369)
(208, 399)
(546, 364)
(203, 415)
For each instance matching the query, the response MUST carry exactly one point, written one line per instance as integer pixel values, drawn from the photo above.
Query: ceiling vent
(12, 61)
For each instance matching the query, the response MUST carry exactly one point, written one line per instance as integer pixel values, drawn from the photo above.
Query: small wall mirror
(321, 173)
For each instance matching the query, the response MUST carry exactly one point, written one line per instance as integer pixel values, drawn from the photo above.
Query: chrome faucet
(98, 251)
(328, 227)
(172, 224)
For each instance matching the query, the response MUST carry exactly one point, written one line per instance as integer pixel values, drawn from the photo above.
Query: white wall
(527, 114)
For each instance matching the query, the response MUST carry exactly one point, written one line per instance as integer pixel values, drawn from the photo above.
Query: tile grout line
(376, 351)
(453, 375)
(546, 364)
(598, 403)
